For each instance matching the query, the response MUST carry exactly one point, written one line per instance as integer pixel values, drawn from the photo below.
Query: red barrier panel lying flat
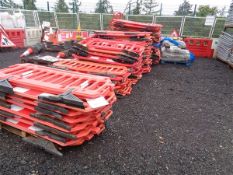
(103, 45)
(57, 81)
(118, 74)
(118, 24)
(127, 35)
(135, 68)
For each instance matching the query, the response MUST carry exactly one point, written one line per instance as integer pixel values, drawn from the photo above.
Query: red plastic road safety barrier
(144, 39)
(17, 36)
(66, 108)
(143, 49)
(127, 35)
(57, 81)
(135, 68)
(64, 35)
(123, 53)
(200, 47)
(121, 35)
(118, 74)
(118, 24)
(132, 26)
(102, 45)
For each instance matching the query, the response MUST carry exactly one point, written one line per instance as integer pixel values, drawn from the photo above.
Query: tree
(9, 4)
(206, 10)
(185, 9)
(75, 6)
(150, 7)
(103, 6)
(29, 4)
(222, 12)
(137, 9)
(61, 6)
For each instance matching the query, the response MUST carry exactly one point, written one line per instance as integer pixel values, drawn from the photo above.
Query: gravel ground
(178, 120)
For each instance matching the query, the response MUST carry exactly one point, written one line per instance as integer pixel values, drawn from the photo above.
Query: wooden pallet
(41, 143)
(13, 130)
(186, 63)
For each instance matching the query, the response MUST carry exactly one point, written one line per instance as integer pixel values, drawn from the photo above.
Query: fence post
(78, 19)
(182, 26)
(36, 18)
(126, 17)
(101, 21)
(154, 19)
(37, 14)
(56, 21)
(212, 28)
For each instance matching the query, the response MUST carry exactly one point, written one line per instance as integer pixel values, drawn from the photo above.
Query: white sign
(46, 24)
(20, 90)
(209, 20)
(6, 42)
(97, 103)
(16, 108)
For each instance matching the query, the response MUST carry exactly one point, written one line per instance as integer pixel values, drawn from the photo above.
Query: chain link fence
(141, 18)
(219, 27)
(31, 18)
(169, 23)
(67, 20)
(90, 21)
(186, 26)
(47, 16)
(106, 21)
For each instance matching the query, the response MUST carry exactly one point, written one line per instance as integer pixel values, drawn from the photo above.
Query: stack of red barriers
(132, 26)
(121, 53)
(63, 107)
(125, 25)
(120, 75)
(69, 101)
(140, 38)
(123, 35)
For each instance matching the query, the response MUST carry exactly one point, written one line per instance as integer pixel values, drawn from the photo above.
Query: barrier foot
(6, 87)
(43, 144)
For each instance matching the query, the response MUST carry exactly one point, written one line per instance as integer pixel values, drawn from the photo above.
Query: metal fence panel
(195, 26)
(190, 26)
(67, 20)
(141, 18)
(30, 18)
(89, 21)
(169, 23)
(219, 26)
(10, 11)
(107, 18)
(47, 16)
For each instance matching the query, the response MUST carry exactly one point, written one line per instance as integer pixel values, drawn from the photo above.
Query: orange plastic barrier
(118, 74)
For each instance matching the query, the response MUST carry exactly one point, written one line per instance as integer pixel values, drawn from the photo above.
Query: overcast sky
(169, 6)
